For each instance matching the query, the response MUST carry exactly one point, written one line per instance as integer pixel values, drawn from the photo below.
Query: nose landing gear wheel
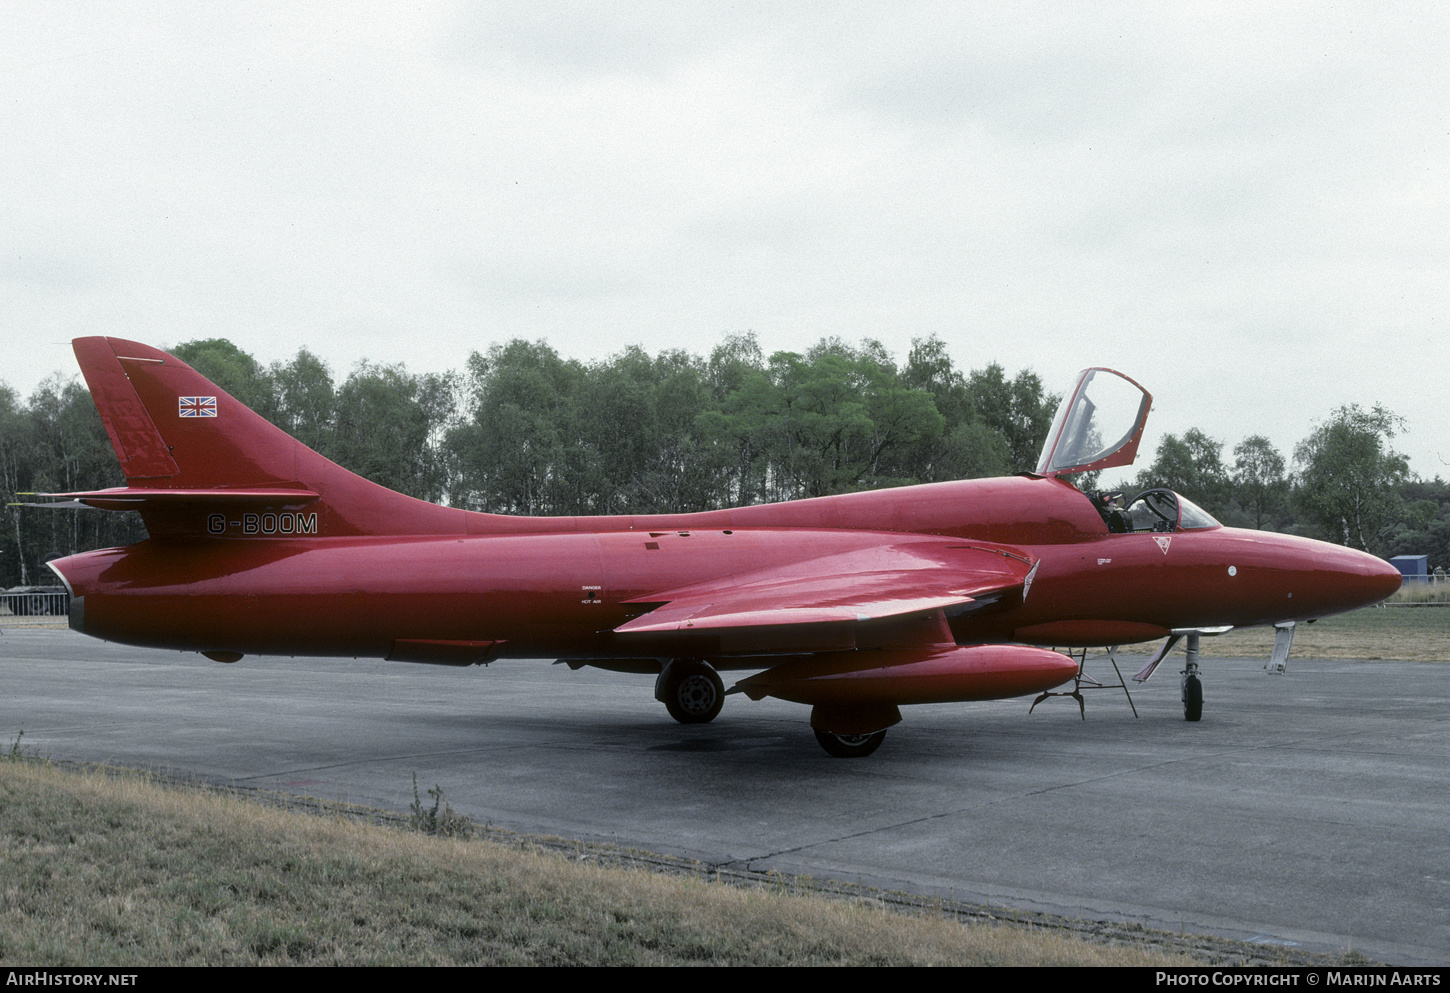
(1192, 698)
(1192, 688)
(850, 746)
(691, 691)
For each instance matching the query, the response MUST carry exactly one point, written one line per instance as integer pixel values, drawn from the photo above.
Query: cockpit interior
(1152, 510)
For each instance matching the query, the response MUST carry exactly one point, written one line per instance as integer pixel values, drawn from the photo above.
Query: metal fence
(1418, 591)
(33, 604)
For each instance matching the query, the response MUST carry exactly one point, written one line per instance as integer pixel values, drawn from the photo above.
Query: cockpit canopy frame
(1098, 426)
(1155, 509)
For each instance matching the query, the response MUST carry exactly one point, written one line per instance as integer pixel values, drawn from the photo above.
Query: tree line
(1348, 485)
(523, 430)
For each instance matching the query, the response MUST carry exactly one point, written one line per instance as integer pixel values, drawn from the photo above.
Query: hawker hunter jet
(854, 605)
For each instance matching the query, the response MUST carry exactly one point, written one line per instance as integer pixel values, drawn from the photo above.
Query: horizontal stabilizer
(138, 498)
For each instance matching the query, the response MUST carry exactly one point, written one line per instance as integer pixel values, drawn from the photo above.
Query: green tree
(58, 444)
(1349, 478)
(1020, 408)
(739, 426)
(929, 367)
(844, 420)
(823, 421)
(389, 424)
(683, 472)
(905, 421)
(1426, 527)
(305, 397)
(509, 455)
(1258, 478)
(17, 460)
(971, 451)
(1191, 466)
(233, 370)
(732, 362)
(639, 434)
(968, 447)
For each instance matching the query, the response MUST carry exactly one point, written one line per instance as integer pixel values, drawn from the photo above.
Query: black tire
(692, 691)
(1192, 699)
(850, 746)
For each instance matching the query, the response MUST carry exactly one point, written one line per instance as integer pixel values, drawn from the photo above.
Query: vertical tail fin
(198, 462)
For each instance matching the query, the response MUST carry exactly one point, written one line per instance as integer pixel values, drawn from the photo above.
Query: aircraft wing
(820, 604)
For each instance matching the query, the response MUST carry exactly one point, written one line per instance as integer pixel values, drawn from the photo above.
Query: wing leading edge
(898, 594)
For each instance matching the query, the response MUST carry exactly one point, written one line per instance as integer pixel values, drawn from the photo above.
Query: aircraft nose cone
(1359, 579)
(1383, 580)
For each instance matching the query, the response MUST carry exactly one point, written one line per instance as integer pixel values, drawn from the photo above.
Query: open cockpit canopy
(1098, 426)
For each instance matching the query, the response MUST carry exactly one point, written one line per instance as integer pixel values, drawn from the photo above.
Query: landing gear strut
(691, 691)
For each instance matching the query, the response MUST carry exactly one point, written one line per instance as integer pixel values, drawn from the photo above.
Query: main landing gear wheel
(850, 746)
(691, 691)
(1192, 698)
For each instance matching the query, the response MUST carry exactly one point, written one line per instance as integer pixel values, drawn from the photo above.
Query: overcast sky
(1246, 207)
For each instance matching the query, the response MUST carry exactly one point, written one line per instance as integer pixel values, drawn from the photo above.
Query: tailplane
(198, 462)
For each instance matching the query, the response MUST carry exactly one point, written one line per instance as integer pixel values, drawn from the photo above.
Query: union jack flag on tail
(196, 406)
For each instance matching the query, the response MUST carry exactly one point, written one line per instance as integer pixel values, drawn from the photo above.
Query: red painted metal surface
(941, 674)
(260, 545)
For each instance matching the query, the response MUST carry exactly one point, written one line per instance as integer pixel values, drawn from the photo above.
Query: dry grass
(1411, 634)
(101, 869)
(1417, 592)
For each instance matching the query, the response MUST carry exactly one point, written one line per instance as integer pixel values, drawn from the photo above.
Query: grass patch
(1411, 634)
(106, 869)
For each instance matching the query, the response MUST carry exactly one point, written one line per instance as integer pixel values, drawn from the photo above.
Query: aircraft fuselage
(854, 604)
(558, 591)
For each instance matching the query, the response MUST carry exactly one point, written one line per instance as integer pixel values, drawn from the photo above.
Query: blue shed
(1412, 566)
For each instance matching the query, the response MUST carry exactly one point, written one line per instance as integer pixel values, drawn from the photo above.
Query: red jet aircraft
(854, 604)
